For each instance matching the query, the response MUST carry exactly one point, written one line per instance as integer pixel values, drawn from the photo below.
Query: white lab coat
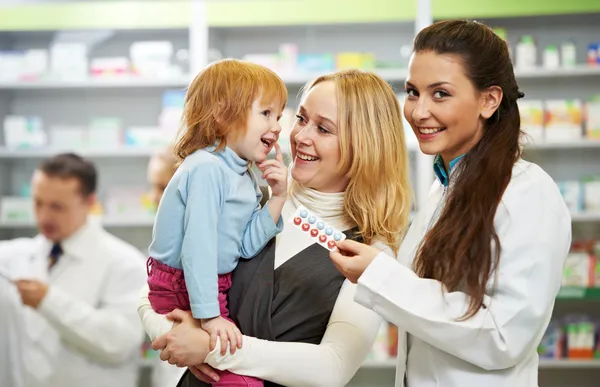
(86, 331)
(12, 364)
(497, 347)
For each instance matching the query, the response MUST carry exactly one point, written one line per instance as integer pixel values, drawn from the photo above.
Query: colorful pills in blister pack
(317, 228)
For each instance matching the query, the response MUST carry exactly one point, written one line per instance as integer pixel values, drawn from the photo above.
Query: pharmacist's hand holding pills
(352, 258)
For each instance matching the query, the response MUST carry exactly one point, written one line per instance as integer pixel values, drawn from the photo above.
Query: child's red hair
(219, 99)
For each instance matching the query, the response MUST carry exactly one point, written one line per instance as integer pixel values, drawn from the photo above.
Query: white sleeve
(349, 337)
(534, 228)
(12, 335)
(154, 324)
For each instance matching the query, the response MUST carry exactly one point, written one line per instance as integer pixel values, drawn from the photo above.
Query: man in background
(78, 287)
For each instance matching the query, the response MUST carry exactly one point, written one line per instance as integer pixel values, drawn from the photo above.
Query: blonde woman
(297, 313)
(161, 168)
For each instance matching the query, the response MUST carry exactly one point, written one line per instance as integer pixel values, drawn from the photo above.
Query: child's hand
(220, 327)
(275, 173)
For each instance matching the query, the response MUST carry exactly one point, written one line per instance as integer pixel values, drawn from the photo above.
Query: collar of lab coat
(78, 244)
(440, 170)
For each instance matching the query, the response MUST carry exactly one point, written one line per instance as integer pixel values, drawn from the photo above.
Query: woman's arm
(333, 362)
(154, 324)
(348, 339)
(534, 228)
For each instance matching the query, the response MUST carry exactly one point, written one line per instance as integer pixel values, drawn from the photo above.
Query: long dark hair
(462, 250)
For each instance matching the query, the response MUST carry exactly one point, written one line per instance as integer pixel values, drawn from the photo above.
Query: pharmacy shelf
(299, 78)
(586, 216)
(293, 79)
(575, 71)
(579, 293)
(577, 144)
(97, 83)
(560, 363)
(7, 153)
(114, 222)
(544, 364)
(379, 364)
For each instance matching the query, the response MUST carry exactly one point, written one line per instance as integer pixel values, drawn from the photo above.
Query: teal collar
(440, 170)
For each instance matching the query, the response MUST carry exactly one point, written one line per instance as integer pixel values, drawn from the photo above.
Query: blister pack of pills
(323, 233)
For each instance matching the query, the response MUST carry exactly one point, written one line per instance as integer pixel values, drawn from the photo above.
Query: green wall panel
(449, 9)
(157, 14)
(176, 14)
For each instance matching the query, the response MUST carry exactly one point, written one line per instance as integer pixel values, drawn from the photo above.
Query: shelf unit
(241, 28)
(544, 364)
(393, 75)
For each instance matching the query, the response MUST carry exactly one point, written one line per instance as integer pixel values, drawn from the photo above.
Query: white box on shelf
(105, 133)
(564, 121)
(572, 194)
(152, 58)
(35, 65)
(576, 271)
(592, 120)
(145, 137)
(69, 61)
(591, 195)
(11, 64)
(16, 209)
(127, 203)
(67, 137)
(532, 119)
(109, 66)
(24, 132)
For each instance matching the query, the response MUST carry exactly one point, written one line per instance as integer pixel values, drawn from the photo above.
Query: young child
(210, 213)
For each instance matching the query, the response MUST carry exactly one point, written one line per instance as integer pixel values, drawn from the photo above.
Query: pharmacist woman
(477, 274)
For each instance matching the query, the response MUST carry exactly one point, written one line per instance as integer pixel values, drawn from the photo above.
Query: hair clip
(520, 94)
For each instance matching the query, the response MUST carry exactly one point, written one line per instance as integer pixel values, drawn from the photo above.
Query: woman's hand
(187, 344)
(352, 258)
(205, 373)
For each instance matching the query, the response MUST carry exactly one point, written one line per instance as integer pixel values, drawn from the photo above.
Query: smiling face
(443, 107)
(262, 131)
(315, 141)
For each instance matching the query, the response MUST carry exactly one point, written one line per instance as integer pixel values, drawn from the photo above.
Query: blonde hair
(373, 155)
(219, 99)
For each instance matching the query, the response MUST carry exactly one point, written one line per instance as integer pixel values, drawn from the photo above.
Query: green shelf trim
(89, 15)
(579, 293)
(449, 9)
(295, 12)
(165, 14)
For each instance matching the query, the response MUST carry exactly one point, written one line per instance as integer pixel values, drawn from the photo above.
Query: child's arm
(202, 194)
(262, 226)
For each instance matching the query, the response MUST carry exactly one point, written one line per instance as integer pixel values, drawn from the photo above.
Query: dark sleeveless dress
(292, 303)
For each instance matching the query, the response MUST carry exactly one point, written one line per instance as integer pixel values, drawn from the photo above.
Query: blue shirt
(440, 169)
(209, 217)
